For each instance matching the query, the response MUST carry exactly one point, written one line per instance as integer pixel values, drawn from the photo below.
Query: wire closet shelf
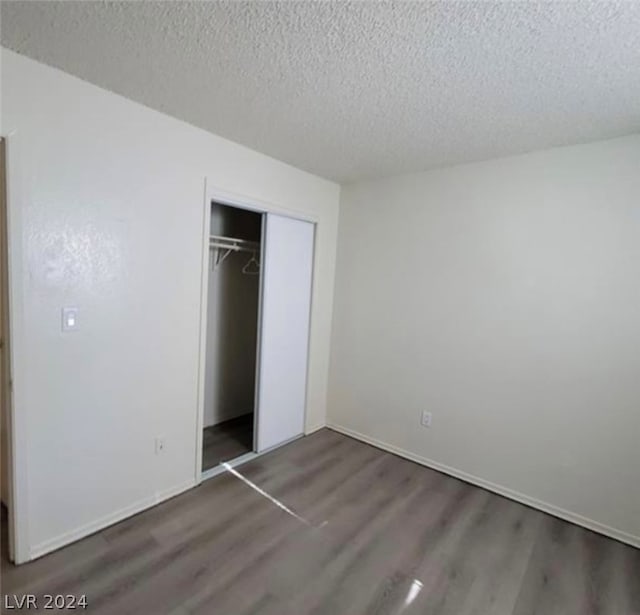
(222, 247)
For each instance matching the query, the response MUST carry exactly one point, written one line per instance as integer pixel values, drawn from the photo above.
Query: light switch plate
(69, 318)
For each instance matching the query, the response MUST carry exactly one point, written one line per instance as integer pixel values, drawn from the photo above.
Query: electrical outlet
(425, 419)
(160, 444)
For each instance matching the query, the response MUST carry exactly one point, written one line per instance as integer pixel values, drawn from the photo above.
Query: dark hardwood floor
(227, 440)
(345, 529)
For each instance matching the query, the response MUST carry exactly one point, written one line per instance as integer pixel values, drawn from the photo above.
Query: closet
(258, 304)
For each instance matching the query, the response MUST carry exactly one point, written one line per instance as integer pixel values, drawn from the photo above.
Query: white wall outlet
(160, 444)
(425, 419)
(69, 318)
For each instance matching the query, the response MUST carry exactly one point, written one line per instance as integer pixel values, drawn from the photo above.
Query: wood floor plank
(573, 571)
(328, 525)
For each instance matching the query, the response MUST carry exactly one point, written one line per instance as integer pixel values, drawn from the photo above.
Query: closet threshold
(220, 468)
(238, 461)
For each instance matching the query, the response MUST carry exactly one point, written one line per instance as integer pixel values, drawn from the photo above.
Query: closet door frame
(214, 193)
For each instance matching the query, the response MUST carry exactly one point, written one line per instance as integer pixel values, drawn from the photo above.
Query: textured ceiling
(351, 90)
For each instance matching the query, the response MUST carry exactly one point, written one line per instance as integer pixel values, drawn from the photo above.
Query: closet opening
(233, 307)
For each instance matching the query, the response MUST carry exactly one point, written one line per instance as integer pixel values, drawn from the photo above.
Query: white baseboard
(567, 515)
(309, 430)
(228, 416)
(90, 528)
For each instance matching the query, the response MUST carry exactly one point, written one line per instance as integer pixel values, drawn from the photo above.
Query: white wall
(232, 327)
(108, 199)
(504, 297)
(232, 323)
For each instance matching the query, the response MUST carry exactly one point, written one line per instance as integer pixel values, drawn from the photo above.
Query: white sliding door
(284, 337)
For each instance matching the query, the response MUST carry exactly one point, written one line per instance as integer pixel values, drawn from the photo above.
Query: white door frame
(19, 547)
(241, 201)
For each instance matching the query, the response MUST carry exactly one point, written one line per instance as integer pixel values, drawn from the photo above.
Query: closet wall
(232, 322)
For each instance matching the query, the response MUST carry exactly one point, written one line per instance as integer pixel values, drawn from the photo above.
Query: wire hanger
(253, 266)
(222, 247)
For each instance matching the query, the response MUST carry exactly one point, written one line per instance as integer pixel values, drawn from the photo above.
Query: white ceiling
(352, 90)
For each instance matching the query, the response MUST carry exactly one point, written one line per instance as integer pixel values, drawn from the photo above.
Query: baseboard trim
(90, 528)
(545, 507)
(313, 429)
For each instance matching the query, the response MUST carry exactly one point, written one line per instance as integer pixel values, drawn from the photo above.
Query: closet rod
(231, 243)
(226, 245)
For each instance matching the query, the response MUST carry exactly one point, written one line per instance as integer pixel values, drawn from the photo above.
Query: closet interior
(233, 302)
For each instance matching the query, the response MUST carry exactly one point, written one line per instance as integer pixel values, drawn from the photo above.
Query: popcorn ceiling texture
(353, 90)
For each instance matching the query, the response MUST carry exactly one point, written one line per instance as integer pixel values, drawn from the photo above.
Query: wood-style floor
(227, 440)
(345, 529)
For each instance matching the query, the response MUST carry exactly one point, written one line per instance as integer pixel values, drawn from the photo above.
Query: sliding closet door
(284, 337)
